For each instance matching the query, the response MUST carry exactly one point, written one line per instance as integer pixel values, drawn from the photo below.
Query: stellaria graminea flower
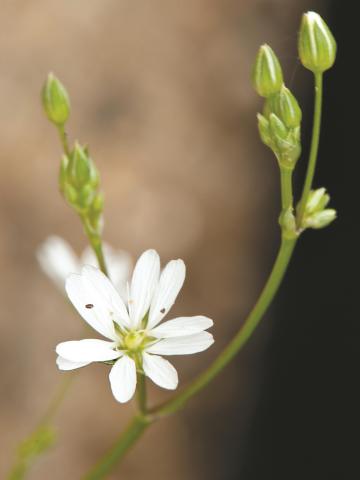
(57, 260)
(136, 338)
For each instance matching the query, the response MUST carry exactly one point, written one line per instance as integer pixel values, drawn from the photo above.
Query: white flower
(135, 337)
(57, 260)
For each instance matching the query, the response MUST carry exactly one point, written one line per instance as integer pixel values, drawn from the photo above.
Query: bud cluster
(279, 124)
(78, 177)
(78, 182)
(316, 214)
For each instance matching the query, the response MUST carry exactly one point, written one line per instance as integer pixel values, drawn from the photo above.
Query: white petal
(144, 281)
(123, 379)
(118, 263)
(160, 371)
(89, 350)
(171, 281)
(64, 364)
(181, 326)
(57, 260)
(97, 301)
(183, 345)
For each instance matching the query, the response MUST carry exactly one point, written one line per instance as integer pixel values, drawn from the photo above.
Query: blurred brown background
(161, 92)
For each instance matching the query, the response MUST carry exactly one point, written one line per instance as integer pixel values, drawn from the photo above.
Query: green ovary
(134, 340)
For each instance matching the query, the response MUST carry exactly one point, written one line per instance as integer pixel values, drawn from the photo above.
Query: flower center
(134, 340)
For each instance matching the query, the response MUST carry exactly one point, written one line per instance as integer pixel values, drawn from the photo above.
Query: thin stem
(267, 295)
(134, 431)
(35, 443)
(64, 139)
(58, 398)
(314, 148)
(286, 188)
(141, 393)
(96, 244)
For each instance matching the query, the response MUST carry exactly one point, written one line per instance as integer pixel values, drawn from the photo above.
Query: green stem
(286, 188)
(58, 398)
(35, 444)
(314, 148)
(64, 139)
(268, 293)
(133, 432)
(96, 243)
(141, 393)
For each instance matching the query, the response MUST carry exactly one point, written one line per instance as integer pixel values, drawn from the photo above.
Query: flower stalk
(315, 140)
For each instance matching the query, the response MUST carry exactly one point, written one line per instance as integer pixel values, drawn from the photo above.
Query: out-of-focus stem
(129, 437)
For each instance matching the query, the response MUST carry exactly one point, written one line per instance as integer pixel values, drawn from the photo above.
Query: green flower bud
(81, 170)
(264, 130)
(277, 128)
(267, 75)
(63, 172)
(317, 46)
(287, 108)
(98, 203)
(320, 219)
(85, 196)
(55, 100)
(70, 194)
(95, 217)
(317, 201)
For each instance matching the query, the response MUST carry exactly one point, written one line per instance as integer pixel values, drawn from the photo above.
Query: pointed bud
(277, 128)
(317, 46)
(98, 203)
(55, 100)
(317, 201)
(264, 130)
(320, 219)
(81, 170)
(267, 74)
(70, 193)
(287, 108)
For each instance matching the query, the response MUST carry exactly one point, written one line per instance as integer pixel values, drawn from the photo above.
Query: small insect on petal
(89, 305)
(162, 310)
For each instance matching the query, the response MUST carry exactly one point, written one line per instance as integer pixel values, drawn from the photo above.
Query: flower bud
(287, 108)
(264, 130)
(277, 128)
(317, 201)
(55, 100)
(316, 44)
(320, 219)
(81, 170)
(316, 215)
(267, 74)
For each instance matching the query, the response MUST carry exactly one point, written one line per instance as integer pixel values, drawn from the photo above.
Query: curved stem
(268, 293)
(313, 149)
(135, 429)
